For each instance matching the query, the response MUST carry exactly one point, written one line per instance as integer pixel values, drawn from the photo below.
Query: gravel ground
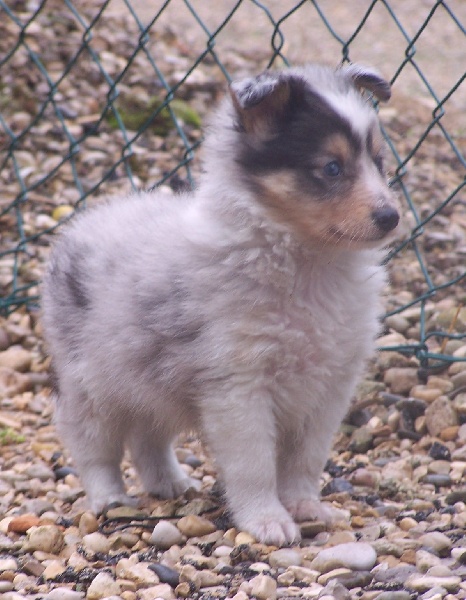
(398, 463)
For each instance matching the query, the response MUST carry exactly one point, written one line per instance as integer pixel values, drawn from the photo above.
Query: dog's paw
(100, 504)
(312, 509)
(173, 489)
(274, 529)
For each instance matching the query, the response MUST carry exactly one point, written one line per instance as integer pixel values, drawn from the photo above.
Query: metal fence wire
(100, 97)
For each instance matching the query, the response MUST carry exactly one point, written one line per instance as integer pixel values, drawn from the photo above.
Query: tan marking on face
(335, 221)
(336, 147)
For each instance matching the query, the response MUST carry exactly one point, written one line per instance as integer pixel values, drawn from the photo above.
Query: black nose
(386, 218)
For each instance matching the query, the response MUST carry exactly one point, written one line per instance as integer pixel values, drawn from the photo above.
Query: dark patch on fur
(54, 381)
(74, 280)
(167, 316)
(296, 138)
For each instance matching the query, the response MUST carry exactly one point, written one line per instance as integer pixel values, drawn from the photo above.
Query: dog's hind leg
(96, 446)
(155, 460)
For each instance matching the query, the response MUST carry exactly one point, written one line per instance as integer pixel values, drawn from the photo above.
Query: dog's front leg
(301, 459)
(240, 428)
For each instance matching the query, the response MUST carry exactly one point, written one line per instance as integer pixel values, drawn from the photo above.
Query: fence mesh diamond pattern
(103, 97)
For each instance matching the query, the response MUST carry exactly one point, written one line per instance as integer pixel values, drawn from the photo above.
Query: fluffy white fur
(166, 314)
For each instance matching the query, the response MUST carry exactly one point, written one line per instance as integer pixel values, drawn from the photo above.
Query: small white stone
(139, 572)
(263, 587)
(259, 567)
(436, 540)
(161, 592)
(358, 556)
(64, 594)
(424, 583)
(48, 538)
(165, 535)
(95, 543)
(333, 574)
(209, 578)
(425, 560)
(304, 574)
(103, 586)
(16, 358)
(240, 595)
(195, 526)
(221, 551)
(8, 564)
(53, 569)
(285, 557)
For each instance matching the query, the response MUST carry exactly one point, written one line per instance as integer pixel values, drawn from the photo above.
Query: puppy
(246, 310)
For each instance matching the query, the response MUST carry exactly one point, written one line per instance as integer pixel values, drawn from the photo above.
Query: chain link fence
(103, 97)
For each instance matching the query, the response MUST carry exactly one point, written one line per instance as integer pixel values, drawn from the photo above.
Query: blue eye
(333, 169)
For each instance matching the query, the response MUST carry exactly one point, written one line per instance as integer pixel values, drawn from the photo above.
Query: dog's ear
(369, 79)
(259, 101)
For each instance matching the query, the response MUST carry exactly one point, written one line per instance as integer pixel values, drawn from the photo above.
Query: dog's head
(311, 149)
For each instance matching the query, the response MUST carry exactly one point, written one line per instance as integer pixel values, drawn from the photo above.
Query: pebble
(102, 586)
(436, 540)
(396, 574)
(440, 415)
(337, 486)
(437, 480)
(355, 579)
(22, 523)
(407, 523)
(33, 567)
(395, 595)
(311, 529)
(303, 574)
(424, 583)
(38, 506)
(456, 496)
(439, 451)
(63, 593)
(365, 477)
(285, 557)
(53, 569)
(157, 592)
(263, 587)
(424, 393)
(359, 556)
(62, 211)
(165, 535)
(401, 380)
(16, 358)
(95, 542)
(195, 526)
(62, 472)
(139, 572)
(333, 574)
(244, 538)
(8, 564)
(88, 523)
(334, 590)
(361, 442)
(426, 560)
(165, 574)
(48, 538)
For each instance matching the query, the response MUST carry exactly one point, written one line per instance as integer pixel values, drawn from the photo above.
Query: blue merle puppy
(245, 310)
